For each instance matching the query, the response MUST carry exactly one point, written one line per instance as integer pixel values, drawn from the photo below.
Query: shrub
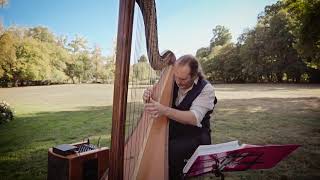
(6, 112)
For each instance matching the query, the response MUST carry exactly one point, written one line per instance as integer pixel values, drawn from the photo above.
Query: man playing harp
(193, 102)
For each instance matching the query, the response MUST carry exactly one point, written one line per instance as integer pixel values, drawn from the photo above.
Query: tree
(141, 69)
(83, 67)
(225, 66)
(221, 36)
(109, 65)
(62, 41)
(284, 45)
(281, 43)
(97, 63)
(78, 44)
(8, 59)
(79, 67)
(109, 69)
(70, 71)
(58, 57)
(80, 64)
(305, 16)
(42, 34)
(3, 3)
(202, 52)
(34, 59)
(1, 27)
(142, 59)
(300, 19)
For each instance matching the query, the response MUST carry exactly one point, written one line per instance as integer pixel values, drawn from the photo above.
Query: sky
(184, 25)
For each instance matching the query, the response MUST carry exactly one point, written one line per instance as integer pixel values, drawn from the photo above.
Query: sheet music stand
(242, 159)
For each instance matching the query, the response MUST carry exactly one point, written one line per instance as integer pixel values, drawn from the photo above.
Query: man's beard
(188, 85)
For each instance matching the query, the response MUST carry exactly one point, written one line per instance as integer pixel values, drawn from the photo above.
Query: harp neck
(157, 62)
(124, 38)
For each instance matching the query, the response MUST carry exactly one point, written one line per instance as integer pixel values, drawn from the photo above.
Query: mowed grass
(272, 114)
(47, 116)
(251, 113)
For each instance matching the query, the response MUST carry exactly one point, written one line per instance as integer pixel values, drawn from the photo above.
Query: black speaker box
(89, 165)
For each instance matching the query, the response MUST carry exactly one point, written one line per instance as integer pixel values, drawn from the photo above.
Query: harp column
(124, 39)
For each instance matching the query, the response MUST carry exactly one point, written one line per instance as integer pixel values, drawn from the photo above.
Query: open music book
(231, 156)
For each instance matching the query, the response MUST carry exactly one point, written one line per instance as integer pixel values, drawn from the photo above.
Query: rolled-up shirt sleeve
(203, 103)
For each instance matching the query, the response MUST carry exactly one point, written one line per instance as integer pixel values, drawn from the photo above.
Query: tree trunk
(15, 84)
(298, 77)
(279, 77)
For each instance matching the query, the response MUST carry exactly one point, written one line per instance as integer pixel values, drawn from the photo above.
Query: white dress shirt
(203, 103)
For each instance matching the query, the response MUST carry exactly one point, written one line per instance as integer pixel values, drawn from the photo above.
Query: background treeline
(35, 56)
(284, 46)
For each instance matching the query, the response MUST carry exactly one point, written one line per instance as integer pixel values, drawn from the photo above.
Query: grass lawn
(251, 113)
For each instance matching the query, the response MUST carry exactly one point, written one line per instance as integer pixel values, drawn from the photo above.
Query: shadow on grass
(272, 121)
(25, 141)
(264, 87)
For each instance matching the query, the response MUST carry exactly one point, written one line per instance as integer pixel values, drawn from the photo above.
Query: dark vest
(177, 129)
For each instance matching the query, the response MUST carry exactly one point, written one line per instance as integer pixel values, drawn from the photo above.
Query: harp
(142, 155)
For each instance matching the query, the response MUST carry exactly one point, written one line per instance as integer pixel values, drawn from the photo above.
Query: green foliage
(9, 64)
(70, 71)
(26, 58)
(305, 16)
(78, 44)
(221, 36)
(41, 34)
(225, 66)
(142, 59)
(83, 67)
(283, 46)
(108, 70)
(35, 56)
(97, 63)
(34, 59)
(202, 52)
(141, 71)
(57, 56)
(6, 112)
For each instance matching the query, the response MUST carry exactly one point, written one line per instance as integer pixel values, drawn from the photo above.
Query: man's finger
(155, 115)
(148, 105)
(150, 108)
(152, 111)
(146, 99)
(152, 100)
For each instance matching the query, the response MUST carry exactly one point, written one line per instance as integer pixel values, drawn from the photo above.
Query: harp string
(132, 110)
(135, 105)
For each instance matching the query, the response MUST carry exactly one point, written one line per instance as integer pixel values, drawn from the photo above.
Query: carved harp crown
(149, 157)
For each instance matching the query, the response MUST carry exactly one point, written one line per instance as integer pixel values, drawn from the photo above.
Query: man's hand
(155, 109)
(147, 95)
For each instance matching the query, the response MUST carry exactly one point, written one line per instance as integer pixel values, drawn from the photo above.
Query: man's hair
(194, 65)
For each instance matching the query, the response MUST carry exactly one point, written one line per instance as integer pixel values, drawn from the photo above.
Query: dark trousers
(181, 149)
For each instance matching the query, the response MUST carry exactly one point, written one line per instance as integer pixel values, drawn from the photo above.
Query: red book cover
(233, 157)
